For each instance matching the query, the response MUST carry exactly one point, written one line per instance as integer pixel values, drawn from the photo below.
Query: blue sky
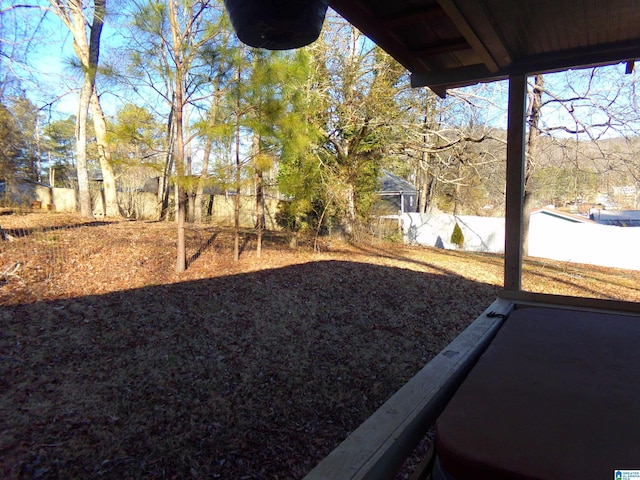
(55, 78)
(49, 75)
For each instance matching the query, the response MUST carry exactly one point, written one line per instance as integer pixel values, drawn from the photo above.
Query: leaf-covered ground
(112, 366)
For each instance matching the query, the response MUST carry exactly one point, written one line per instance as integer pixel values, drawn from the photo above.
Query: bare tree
(455, 151)
(578, 122)
(168, 38)
(533, 114)
(112, 209)
(87, 49)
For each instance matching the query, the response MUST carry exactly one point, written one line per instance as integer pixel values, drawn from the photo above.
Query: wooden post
(515, 182)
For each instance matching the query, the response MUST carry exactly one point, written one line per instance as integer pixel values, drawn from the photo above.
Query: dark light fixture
(277, 24)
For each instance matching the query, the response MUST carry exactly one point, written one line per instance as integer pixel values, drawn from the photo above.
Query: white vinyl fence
(481, 234)
(548, 238)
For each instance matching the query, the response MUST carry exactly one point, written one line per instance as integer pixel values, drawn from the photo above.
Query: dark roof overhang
(452, 43)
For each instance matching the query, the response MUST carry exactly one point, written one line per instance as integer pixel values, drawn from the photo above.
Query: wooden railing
(379, 447)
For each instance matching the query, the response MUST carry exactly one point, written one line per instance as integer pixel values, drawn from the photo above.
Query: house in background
(574, 238)
(397, 196)
(25, 193)
(550, 217)
(618, 218)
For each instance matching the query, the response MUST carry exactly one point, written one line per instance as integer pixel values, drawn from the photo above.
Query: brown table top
(555, 396)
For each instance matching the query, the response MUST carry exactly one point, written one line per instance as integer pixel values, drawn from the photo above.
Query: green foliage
(350, 100)
(457, 237)
(11, 144)
(300, 181)
(136, 137)
(367, 184)
(60, 145)
(291, 217)
(18, 138)
(300, 174)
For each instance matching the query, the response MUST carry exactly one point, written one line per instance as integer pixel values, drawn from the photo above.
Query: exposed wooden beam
(630, 65)
(577, 58)
(456, 76)
(440, 81)
(481, 20)
(515, 182)
(413, 17)
(469, 34)
(440, 48)
(361, 16)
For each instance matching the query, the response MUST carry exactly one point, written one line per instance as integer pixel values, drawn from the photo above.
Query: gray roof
(393, 184)
(620, 218)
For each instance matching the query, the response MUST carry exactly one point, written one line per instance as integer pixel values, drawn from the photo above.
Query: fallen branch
(11, 272)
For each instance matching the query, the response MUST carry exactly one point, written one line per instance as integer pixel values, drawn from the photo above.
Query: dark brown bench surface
(555, 396)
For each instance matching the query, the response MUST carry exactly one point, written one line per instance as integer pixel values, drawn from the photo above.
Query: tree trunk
(181, 253)
(259, 182)
(213, 113)
(164, 186)
(431, 189)
(179, 150)
(423, 188)
(259, 210)
(88, 52)
(349, 222)
(163, 181)
(100, 125)
(236, 221)
(191, 202)
(427, 181)
(203, 176)
(457, 191)
(84, 196)
(108, 177)
(531, 154)
(189, 187)
(181, 260)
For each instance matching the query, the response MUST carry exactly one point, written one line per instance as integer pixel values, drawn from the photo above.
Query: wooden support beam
(458, 19)
(515, 182)
(378, 447)
(361, 16)
(412, 17)
(629, 69)
(441, 80)
(440, 48)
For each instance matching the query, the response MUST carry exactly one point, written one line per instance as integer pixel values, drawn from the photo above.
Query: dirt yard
(112, 366)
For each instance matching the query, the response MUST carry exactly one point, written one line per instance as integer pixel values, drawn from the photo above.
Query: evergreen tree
(457, 237)
(358, 85)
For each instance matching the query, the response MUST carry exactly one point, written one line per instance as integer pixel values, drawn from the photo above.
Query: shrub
(457, 238)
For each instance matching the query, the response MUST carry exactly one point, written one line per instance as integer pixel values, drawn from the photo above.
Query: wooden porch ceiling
(450, 43)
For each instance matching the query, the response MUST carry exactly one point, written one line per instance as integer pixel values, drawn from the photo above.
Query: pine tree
(457, 237)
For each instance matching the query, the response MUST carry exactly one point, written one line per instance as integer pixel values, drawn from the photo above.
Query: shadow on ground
(255, 375)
